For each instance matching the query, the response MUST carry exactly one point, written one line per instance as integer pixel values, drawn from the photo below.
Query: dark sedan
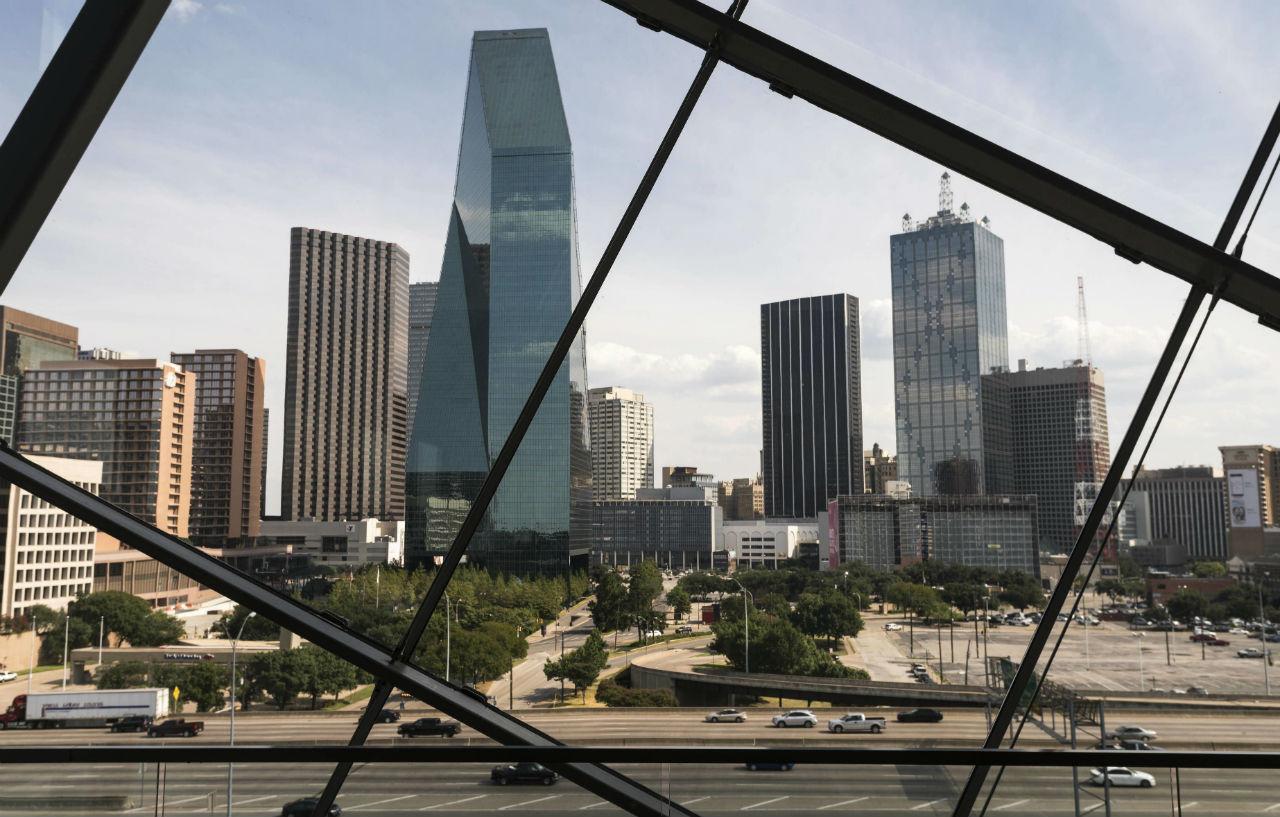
(388, 716)
(920, 716)
(522, 773)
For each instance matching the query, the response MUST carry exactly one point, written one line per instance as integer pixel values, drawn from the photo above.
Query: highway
(390, 790)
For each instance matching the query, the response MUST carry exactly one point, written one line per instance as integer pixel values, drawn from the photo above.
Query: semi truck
(100, 707)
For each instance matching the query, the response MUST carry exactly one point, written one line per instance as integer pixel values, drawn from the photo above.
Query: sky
(244, 119)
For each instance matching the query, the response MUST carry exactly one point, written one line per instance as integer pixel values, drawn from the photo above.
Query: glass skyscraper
(811, 403)
(507, 285)
(949, 329)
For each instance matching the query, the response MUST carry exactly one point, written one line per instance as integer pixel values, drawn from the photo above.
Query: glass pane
(31, 33)
(1168, 130)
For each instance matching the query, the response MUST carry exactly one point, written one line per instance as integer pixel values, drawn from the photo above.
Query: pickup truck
(175, 727)
(856, 722)
(429, 726)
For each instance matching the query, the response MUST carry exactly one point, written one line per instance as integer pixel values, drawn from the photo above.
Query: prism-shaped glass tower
(508, 282)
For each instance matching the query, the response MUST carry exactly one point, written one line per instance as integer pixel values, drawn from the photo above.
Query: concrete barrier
(63, 803)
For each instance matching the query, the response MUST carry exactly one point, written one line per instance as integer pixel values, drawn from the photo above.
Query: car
(8, 675)
(523, 773)
(770, 765)
(429, 726)
(920, 716)
(388, 716)
(1237, 631)
(175, 726)
(305, 807)
(856, 722)
(727, 716)
(1216, 642)
(893, 626)
(1249, 652)
(1138, 746)
(1121, 776)
(1197, 691)
(1139, 621)
(1131, 733)
(1202, 636)
(684, 629)
(133, 723)
(796, 717)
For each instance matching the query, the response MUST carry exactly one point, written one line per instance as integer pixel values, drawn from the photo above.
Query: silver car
(727, 716)
(796, 717)
(1131, 733)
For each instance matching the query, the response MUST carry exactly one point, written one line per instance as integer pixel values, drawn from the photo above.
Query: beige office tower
(135, 416)
(229, 445)
(742, 499)
(346, 405)
(26, 341)
(1252, 474)
(621, 424)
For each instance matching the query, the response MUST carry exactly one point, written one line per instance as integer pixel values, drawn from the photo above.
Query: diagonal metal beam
(475, 514)
(63, 113)
(318, 629)
(1027, 669)
(1134, 235)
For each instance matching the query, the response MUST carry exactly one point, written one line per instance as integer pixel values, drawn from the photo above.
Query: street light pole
(232, 740)
(31, 661)
(102, 621)
(1141, 681)
(448, 635)
(1266, 653)
(66, 635)
(746, 626)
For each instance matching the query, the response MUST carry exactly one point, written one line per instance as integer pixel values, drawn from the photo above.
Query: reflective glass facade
(508, 282)
(811, 403)
(949, 328)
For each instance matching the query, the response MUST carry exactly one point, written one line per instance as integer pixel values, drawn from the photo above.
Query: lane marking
(594, 805)
(708, 797)
(529, 802)
(166, 803)
(844, 803)
(1011, 805)
(1271, 808)
(764, 803)
(453, 802)
(926, 805)
(254, 799)
(1094, 807)
(1192, 803)
(380, 802)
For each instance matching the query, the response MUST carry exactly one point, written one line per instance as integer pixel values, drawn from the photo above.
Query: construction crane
(1083, 353)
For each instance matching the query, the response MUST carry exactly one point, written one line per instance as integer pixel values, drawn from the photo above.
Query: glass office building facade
(949, 329)
(507, 285)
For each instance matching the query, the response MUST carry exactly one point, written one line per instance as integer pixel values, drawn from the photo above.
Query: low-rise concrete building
(676, 527)
(354, 543)
(767, 542)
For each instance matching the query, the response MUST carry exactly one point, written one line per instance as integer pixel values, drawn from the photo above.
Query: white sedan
(1132, 733)
(892, 626)
(1122, 776)
(796, 717)
(8, 675)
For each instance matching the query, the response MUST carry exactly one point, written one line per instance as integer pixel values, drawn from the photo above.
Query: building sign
(1242, 498)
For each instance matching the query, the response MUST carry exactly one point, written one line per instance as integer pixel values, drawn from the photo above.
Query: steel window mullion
(1134, 235)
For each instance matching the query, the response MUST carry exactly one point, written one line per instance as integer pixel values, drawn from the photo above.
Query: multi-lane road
(392, 789)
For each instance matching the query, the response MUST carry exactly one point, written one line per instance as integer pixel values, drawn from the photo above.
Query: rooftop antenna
(945, 200)
(986, 222)
(906, 222)
(1083, 352)
(965, 215)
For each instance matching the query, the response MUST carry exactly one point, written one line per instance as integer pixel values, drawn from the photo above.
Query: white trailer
(93, 708)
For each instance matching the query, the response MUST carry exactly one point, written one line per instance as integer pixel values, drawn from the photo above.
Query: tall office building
(507, 286)
(1252, 474)
(949, 329)
(26, 341)
(422, 304)
(229, 445)
(1057, 427)
(135, 416)
(879, 468)
(621, 425)
(346, 403)
(1185, 505)
(811, 401)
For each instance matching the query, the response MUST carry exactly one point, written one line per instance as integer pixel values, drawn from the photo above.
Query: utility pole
(102, 621)
(511, 686)
(31, 662)
(66, 635)
(1168, 656)
(942, 673)
(448, 638)
(1266, 653)
(231, 765)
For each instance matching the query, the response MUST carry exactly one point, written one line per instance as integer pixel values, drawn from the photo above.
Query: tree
(121, 613)
(45, 617)
(256, 628)
(1237, 602)
(124, 675)
(1209, 570)
(967, 597)
(643, 586)
(157, 629)
(80, 635)
(830, 614)
(204, 684)
(1129, 567)
(608, 610)
(1021, 591)
(679, 602)
(273, 674)
(580, 667)
(1186, 604)
(1111, 588)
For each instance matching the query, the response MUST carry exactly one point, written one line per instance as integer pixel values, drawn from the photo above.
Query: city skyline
(703, 378)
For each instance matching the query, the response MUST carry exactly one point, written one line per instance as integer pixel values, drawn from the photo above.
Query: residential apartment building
(229, 445)
(134, 416)
(26, 341)
(811, 403)
(422, 305)
(46, 556)
(621, 424)
(346, 380)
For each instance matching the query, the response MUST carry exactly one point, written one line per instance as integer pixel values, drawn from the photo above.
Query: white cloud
(185, 10)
